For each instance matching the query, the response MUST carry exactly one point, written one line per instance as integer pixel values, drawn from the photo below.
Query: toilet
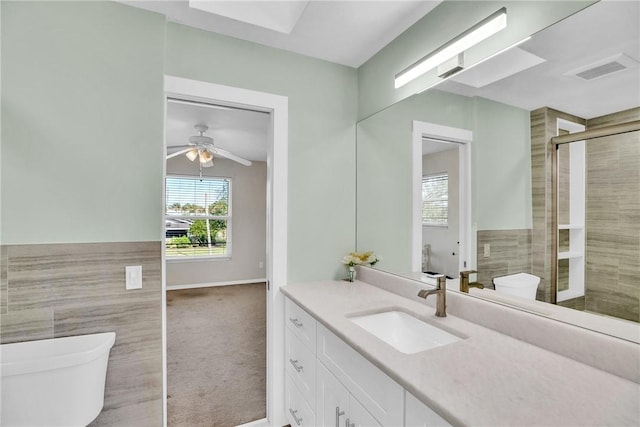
(523, 285)
(54, 382)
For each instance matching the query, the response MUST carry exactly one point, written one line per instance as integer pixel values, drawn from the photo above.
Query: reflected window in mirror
(435, 200)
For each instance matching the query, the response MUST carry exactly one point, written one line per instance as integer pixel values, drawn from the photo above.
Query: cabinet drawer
(377, 392)
(299, 413)
(301, 323)
(301, 366)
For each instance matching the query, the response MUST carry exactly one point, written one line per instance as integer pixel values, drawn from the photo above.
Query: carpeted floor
(216, 355)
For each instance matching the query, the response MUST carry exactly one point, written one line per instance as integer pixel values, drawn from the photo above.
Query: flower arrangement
(354, 258)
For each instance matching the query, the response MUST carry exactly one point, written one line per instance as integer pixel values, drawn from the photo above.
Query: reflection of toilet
(523, 285)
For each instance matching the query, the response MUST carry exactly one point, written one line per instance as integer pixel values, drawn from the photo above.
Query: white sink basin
(404, 332)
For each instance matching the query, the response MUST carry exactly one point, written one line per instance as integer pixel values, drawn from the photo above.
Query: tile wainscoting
(510, 252)
(57, 290)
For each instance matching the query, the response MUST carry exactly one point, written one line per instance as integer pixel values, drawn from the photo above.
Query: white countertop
(486, 379)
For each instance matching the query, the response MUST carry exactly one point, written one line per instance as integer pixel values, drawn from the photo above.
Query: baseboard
(214, 284)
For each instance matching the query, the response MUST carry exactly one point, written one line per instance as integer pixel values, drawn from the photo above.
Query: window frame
(228, 218)
(436, 224)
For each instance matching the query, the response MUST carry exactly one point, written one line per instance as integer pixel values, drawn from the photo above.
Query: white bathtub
(54, 382)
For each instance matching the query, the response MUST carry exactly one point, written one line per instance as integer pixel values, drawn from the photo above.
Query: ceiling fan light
(205, 156)
(192, 154)
(207, 164)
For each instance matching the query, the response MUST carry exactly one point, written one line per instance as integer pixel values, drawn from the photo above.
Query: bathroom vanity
(339, 374)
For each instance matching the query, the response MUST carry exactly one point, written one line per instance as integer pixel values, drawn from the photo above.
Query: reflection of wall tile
(56, 290)
(543, 128)
(574, 303)
(510, 253)
(613, 221)
(26, 325)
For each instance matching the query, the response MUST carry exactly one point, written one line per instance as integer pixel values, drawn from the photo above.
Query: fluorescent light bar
(474, 35)
(477, 63)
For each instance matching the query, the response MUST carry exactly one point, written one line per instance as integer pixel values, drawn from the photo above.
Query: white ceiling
(600, 31)
(344, 32)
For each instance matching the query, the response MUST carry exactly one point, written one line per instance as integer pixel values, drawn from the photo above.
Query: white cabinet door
(359, 417)
(376, 391)
(336, 407)
(417, 414)
(332, 399)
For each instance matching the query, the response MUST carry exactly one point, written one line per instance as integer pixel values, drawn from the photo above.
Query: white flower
(351, 260)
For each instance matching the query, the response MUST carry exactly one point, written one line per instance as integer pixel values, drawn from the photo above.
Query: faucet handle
(467, 273)
(442, 282)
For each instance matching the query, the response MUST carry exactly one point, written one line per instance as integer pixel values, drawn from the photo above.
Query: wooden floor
(216, 355)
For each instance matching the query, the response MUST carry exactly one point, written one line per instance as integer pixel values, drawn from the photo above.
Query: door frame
(277, 202)
(446, 134)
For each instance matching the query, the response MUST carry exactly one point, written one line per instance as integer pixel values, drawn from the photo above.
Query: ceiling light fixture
(474, 35)
(192, 154)
(477, 63)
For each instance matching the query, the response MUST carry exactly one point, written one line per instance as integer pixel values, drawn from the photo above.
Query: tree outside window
(197, 217)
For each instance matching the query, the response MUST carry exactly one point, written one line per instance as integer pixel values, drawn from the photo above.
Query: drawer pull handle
(296, 322)
(295, 418)
(295, 365)
(338, 413)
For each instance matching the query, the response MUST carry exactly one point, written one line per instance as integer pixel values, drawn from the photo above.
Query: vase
(352, 274)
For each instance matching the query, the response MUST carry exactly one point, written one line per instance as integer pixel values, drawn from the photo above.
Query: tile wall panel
(3, 280)
(612, 213)
(543, 128)
(58, 290)
(613, 220)
(510, 253)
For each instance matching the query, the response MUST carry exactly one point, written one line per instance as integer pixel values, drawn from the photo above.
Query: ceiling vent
(603, 67)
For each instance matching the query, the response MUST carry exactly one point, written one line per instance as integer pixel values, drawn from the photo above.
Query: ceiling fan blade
(224, 153)
(177, 153)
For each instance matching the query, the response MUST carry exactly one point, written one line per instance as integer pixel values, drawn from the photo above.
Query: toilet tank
(523, 285)
(54, 382)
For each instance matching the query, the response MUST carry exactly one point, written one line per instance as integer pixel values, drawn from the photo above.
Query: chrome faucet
(441, 292)
(464, 281)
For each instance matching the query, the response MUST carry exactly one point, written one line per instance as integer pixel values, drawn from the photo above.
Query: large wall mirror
(463, 176)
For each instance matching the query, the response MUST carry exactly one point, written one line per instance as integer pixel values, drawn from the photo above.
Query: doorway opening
(441, 236)
(220, 249)
(215, 251)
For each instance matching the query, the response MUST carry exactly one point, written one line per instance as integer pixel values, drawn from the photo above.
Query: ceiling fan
(201, 147)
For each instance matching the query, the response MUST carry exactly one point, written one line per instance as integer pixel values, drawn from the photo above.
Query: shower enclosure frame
(556, 142)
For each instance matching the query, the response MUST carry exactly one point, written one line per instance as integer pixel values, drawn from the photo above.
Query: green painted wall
(322, 115)
(82, 109)
(384, 172)
(500, 170)
(501, 162)
(452, 17)
(82, 117)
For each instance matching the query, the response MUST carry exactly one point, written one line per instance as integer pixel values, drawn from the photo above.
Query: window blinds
(435, 199)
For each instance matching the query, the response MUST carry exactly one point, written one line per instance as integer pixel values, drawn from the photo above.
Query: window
(435, 200)
(198, 217)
